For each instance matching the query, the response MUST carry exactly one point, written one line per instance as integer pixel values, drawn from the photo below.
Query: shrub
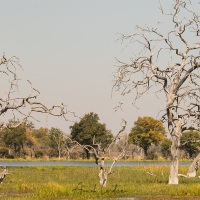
(4, 152)
(38, 154)
(10, 156)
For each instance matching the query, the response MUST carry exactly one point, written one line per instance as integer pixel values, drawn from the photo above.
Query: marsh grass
(44, 183)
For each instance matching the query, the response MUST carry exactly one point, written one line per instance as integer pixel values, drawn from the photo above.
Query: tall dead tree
(168, 61)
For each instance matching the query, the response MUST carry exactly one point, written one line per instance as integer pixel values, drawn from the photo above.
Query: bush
(3, 152)
(10, 156)
(152, 153)
(38, 154)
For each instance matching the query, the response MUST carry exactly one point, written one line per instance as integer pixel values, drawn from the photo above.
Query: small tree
(57, 140)
(41, 145)
(147, 131)
(88, 130)
(20, 139)
(14, 138)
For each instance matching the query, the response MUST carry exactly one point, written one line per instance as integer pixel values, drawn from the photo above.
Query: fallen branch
(182, 175)
(150, 173)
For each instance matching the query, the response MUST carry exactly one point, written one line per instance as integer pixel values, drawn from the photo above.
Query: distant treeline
(146, 140)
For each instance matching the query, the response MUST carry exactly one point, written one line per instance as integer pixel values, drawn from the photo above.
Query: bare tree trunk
(59, 153)
(176, 137)
(59, 150)
(194, 167)
(3, 174)
(103, 174)
(67, 152)
(173, 177)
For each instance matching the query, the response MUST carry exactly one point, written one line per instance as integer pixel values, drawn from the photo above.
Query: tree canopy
(147, 131)
(89, 131)
(16, 137)
(190, 142)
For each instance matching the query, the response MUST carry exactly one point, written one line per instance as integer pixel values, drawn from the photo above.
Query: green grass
(49, 183)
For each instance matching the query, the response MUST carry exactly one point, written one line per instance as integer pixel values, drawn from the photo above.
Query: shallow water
(87, 164)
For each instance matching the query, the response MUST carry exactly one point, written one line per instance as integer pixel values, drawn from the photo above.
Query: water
(87, 164)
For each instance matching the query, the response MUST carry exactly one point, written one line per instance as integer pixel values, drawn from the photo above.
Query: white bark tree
(100, 155)
(177, 79)
(57, 137)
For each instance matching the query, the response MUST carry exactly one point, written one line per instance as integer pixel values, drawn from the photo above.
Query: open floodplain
(76, 182)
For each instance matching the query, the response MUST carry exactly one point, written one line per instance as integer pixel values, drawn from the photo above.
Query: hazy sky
(68, 48)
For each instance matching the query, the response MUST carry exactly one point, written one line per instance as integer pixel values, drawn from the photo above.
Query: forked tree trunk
(104, 173)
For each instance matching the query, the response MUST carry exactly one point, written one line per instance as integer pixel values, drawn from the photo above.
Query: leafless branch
(23, 107)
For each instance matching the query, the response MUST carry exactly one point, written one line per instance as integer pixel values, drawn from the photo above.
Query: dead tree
(18, 105)
(177, 79)
(100, 153)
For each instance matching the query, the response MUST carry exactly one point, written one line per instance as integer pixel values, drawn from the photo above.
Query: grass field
(126, 183)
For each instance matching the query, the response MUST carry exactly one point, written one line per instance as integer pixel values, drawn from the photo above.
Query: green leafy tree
(88, 129)
(190, 142)
(14, 138)
(147, 131)
(42, 142)
(165, 148)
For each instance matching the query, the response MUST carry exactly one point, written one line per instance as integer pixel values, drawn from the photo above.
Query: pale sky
(68, 47)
